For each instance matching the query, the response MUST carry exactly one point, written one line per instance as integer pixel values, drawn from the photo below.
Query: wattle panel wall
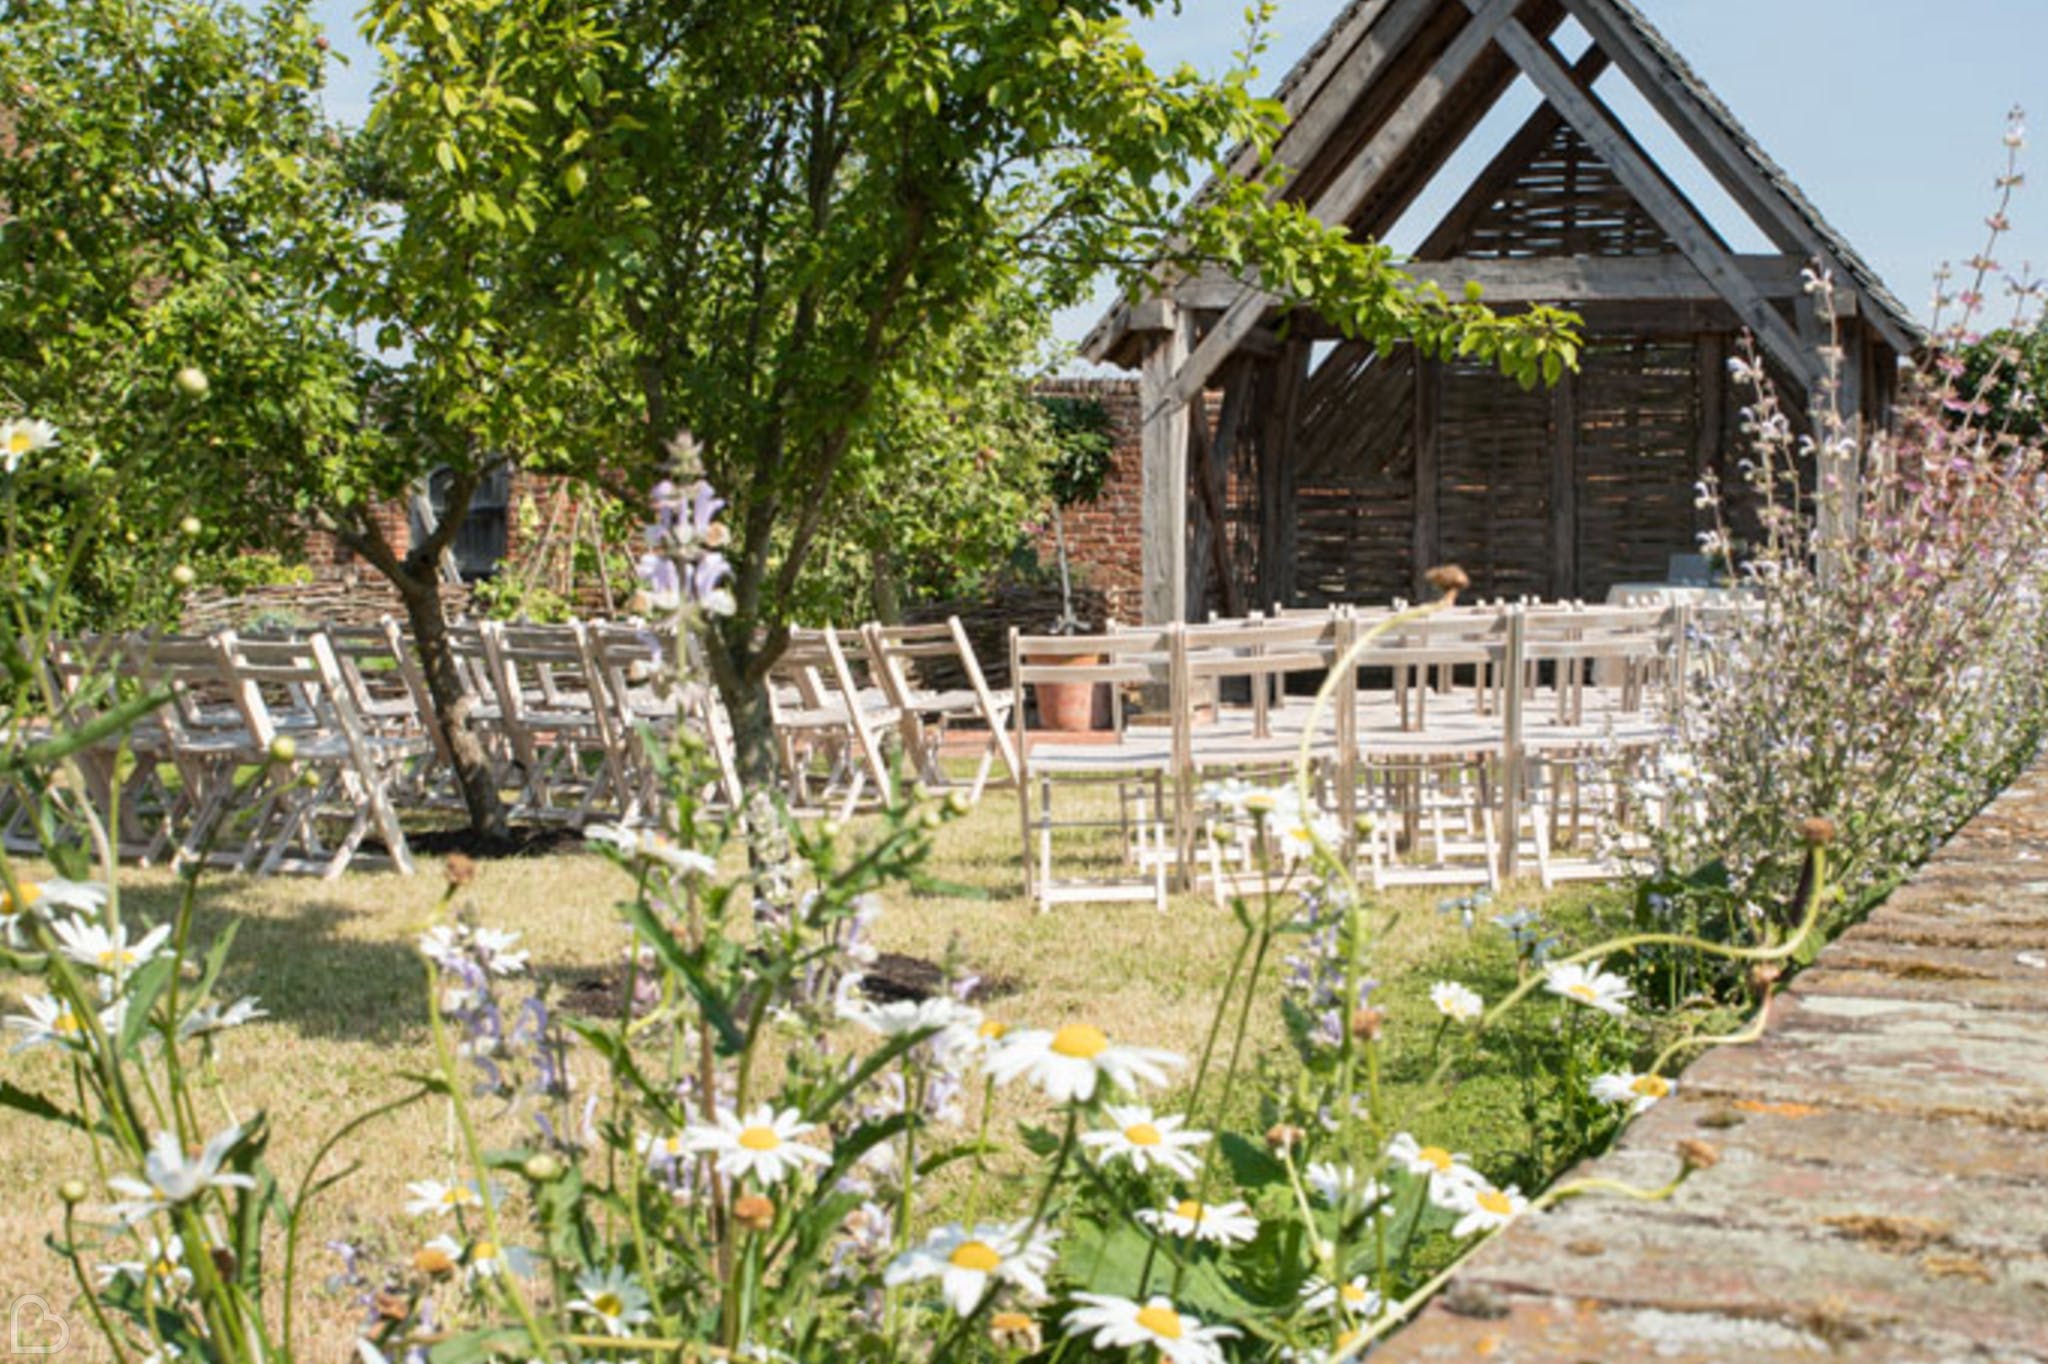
(1493, 483)
(1637, 459)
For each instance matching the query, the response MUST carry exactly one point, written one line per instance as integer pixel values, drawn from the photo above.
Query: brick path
(1883, 1188)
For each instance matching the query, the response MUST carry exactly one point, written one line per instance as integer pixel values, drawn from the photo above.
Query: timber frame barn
(1284, 465)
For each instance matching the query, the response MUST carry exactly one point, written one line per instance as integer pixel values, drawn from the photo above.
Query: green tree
(789, 209)
(177, 198)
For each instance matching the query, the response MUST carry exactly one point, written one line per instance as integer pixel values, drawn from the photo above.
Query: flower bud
(1015, 1331)
(1698, 1155)
(183, 575)
(190, 525)
(283, 749)
(1283, 1136)
(72, 1191)
(1368, 1024)
(191, 381)
(542, 1169)
(1817, 830)
(433, 1262)
(459, 869)
(1448, 579)
(754, 1212)
(956, 803)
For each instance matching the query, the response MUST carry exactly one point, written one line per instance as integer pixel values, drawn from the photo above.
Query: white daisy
(431, 1197)
(212, 1018)
(663, 1152)
(1485, 1208)
(495, 946)
(1224, 1224)
(449, 946)
(616, 1301)
(50, 1022)
(42, 897)
(1590, 986)
(763, 1145)
(968, 1264)
(1456, 1002)
(651, 845)
(1121, 1323)
(1448, 1172)
(22, 437)
(1146, 1141)
(1355, 1299)
(164, 1262)
(956, 1023)
(1639, 1092)
(1069, 1063)
(482, 1260)
(90, 944)
(171, 1177)
(1339, 1185)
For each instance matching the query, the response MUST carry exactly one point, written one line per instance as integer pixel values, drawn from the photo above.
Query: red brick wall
(1104, 539)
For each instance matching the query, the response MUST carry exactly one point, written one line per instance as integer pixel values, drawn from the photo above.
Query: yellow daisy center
(67, 1023)
(609, 1304)
(483, 1250)
(1163, 1322)
(1581, 991)
(1188, 1208)
(979, 1256)
(1496, 1202)
(19, 442)
(1651, 1086)
(1353, 1295)
(992, 1030)
(454, 1195)
(1007, 1322)
(1142, 1134)
(1345, 1339)
(30, 893)
(759, 1139)
(117, 956)
(1436, 1156)
(163, 1269)
(1080, 1041)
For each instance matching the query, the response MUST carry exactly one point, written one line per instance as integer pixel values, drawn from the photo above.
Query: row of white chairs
(1464, 747)
(570, 717)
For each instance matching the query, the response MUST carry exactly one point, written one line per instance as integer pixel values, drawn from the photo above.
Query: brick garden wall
(1104, 543)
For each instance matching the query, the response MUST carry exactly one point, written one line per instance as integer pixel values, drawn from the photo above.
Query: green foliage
(2004, 377)
(1084, 449)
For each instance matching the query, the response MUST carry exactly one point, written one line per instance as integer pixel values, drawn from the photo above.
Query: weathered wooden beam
(1164, 468)
(1429, 395)
(1678, 218)
(1564, 487)
(1717, 148)
(1337, 203)
(1560, 279)
(1507, 164)
(1211, 456)
(1279, 513)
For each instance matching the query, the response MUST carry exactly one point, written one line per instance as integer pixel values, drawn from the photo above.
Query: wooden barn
(1283, 464)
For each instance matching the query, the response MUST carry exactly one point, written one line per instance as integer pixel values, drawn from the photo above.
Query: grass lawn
(335, 966)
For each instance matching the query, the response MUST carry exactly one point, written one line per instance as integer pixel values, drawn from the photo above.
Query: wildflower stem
(85, 1288)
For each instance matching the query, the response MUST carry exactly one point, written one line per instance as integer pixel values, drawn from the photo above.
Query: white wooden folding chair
(903, 657)
(1136, 763)
(827, 715)
(339, 773)
(390, 692)
(554, 714)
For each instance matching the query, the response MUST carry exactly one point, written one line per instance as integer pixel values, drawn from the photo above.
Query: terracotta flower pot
(1069, 707)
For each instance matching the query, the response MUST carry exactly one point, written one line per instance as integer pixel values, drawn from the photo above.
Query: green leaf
(36, 1106)
(641, 915)
(144, 988)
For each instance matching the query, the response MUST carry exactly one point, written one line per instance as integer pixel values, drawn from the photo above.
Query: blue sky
(1887, 112)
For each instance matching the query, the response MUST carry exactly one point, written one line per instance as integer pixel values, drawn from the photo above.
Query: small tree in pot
(1082, 454)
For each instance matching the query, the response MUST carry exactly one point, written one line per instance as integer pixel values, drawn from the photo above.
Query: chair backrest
(296, 680)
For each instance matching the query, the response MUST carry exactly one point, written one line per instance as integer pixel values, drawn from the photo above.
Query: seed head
(1698, 1155)
(1368, 1024)
(1448, 579)
(433, 1262)
(753, 1212)
(1015, 1331)
(460, 869)
(1282, 1136)
(1817, 830)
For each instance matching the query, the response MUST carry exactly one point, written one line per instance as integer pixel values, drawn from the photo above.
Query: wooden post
(1564, 487)
(1711, 364)
(1429, 394)
(1278, 512)
(1165, 470)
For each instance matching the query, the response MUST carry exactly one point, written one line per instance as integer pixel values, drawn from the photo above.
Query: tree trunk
(421, 593)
